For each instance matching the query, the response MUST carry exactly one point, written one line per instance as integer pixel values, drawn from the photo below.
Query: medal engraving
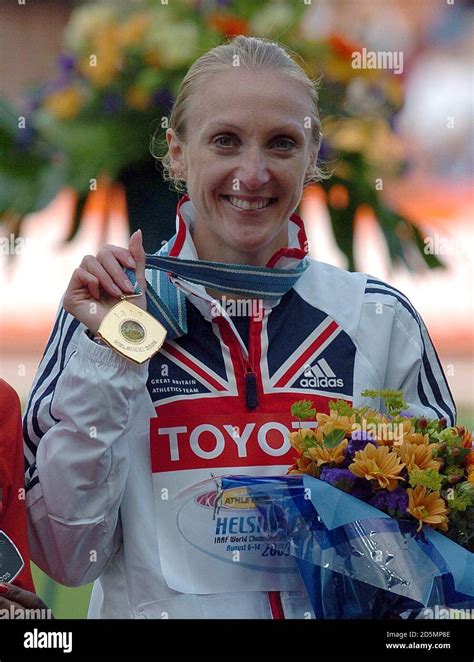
(132, 332)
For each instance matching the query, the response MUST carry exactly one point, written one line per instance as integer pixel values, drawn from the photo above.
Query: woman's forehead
(239, 97)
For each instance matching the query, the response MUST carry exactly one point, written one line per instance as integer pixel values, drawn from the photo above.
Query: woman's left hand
(20, 599)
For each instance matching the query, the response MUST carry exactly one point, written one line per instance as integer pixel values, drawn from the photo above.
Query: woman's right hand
(99, 282)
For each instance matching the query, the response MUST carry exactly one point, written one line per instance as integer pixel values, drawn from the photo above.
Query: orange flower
(427, 507)
(342, 46)
(303, 465)
(328, 423)
(419, 456)
(297, 438)
(227, 24)
(416, 438)
(322, 455)
(378, 463)
(470, 475)
(466, 438)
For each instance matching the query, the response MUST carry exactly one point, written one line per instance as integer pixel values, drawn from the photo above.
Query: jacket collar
(288, 257)
(184, 248)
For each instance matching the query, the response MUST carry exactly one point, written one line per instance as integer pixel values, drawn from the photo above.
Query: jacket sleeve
(414, 367)
(79, 416)
(395, 342)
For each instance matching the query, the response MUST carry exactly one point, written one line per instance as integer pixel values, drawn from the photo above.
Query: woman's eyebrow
(282, 128)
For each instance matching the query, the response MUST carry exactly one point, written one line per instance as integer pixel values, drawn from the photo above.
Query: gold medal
(131, 331)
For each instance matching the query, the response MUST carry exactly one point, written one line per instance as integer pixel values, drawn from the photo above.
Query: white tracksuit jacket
(105, 437)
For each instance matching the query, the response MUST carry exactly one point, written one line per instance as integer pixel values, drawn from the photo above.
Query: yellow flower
(101, 68)
(322, 455)
(138, 98)
(470, 474)
(297, 438)
(417, 456)
(303, 466)
(328, 423)
(416, 438)
(403, 430)
(427, 507)
(133, 30)
(65, 104)
(378, 464)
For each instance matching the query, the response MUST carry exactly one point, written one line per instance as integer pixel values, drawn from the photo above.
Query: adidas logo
(320, 375)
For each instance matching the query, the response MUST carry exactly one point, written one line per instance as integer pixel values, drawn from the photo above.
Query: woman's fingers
(93, 267)
(138, 253)
(110, 273)
(81, 279)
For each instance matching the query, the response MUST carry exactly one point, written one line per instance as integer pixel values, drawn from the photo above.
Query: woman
(16, 583)
(113, 446)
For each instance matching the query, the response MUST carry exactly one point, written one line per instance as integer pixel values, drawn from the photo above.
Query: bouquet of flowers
(364, 504)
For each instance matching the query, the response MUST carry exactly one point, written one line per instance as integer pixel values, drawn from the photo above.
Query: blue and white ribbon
(242, 280)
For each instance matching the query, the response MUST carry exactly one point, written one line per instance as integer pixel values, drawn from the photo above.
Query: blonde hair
(254, 54)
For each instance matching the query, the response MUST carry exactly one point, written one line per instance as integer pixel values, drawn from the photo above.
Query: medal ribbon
(168, 304)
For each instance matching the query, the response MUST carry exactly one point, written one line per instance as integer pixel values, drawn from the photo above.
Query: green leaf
(302, 410)
(334, 438)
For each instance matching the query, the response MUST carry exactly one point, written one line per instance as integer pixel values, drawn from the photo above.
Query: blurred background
(85, 91)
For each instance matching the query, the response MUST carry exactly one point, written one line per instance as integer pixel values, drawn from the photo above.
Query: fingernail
(116, 291)
(128, 285)
(3, 589)
(131, 263)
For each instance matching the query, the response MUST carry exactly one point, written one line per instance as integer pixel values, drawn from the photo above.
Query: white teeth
(244, 204)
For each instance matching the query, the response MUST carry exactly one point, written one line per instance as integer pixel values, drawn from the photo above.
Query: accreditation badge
(11, 561)
(212, 540)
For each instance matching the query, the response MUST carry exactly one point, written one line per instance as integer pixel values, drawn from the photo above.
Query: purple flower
(66, 62)
(111, 103)
(359, 440)
(395, 502)
(362, 489)
(341, 478)
(162, 98)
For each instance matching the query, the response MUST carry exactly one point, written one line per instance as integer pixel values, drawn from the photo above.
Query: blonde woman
(112, 446)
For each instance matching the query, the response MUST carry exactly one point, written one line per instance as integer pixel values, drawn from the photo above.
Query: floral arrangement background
(118, 74)
(409, 467)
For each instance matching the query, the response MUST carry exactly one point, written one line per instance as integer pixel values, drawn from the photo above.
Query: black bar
(139, 639)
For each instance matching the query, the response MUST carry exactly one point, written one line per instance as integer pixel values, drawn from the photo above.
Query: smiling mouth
(246, 205)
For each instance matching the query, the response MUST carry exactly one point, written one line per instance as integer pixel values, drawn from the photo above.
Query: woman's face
(248, 142)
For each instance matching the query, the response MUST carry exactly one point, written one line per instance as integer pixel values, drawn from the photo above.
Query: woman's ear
(176, 153)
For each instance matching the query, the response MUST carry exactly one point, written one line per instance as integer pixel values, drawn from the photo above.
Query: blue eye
(289, 143)
(217, 140)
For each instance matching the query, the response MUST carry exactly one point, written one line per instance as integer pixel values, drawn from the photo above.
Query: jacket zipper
(251, 398)
(250, 375)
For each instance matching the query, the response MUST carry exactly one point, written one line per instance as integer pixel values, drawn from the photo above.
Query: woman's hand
(14, 597)
(98, 283)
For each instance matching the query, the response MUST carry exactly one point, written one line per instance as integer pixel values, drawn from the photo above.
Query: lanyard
(168, 304)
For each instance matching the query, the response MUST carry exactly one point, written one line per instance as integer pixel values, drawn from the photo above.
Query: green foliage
(303, 410)
(393, 400)
(341, 407)
(429, 478)
(333, 438)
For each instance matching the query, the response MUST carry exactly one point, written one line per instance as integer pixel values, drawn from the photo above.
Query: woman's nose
(253, 172)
